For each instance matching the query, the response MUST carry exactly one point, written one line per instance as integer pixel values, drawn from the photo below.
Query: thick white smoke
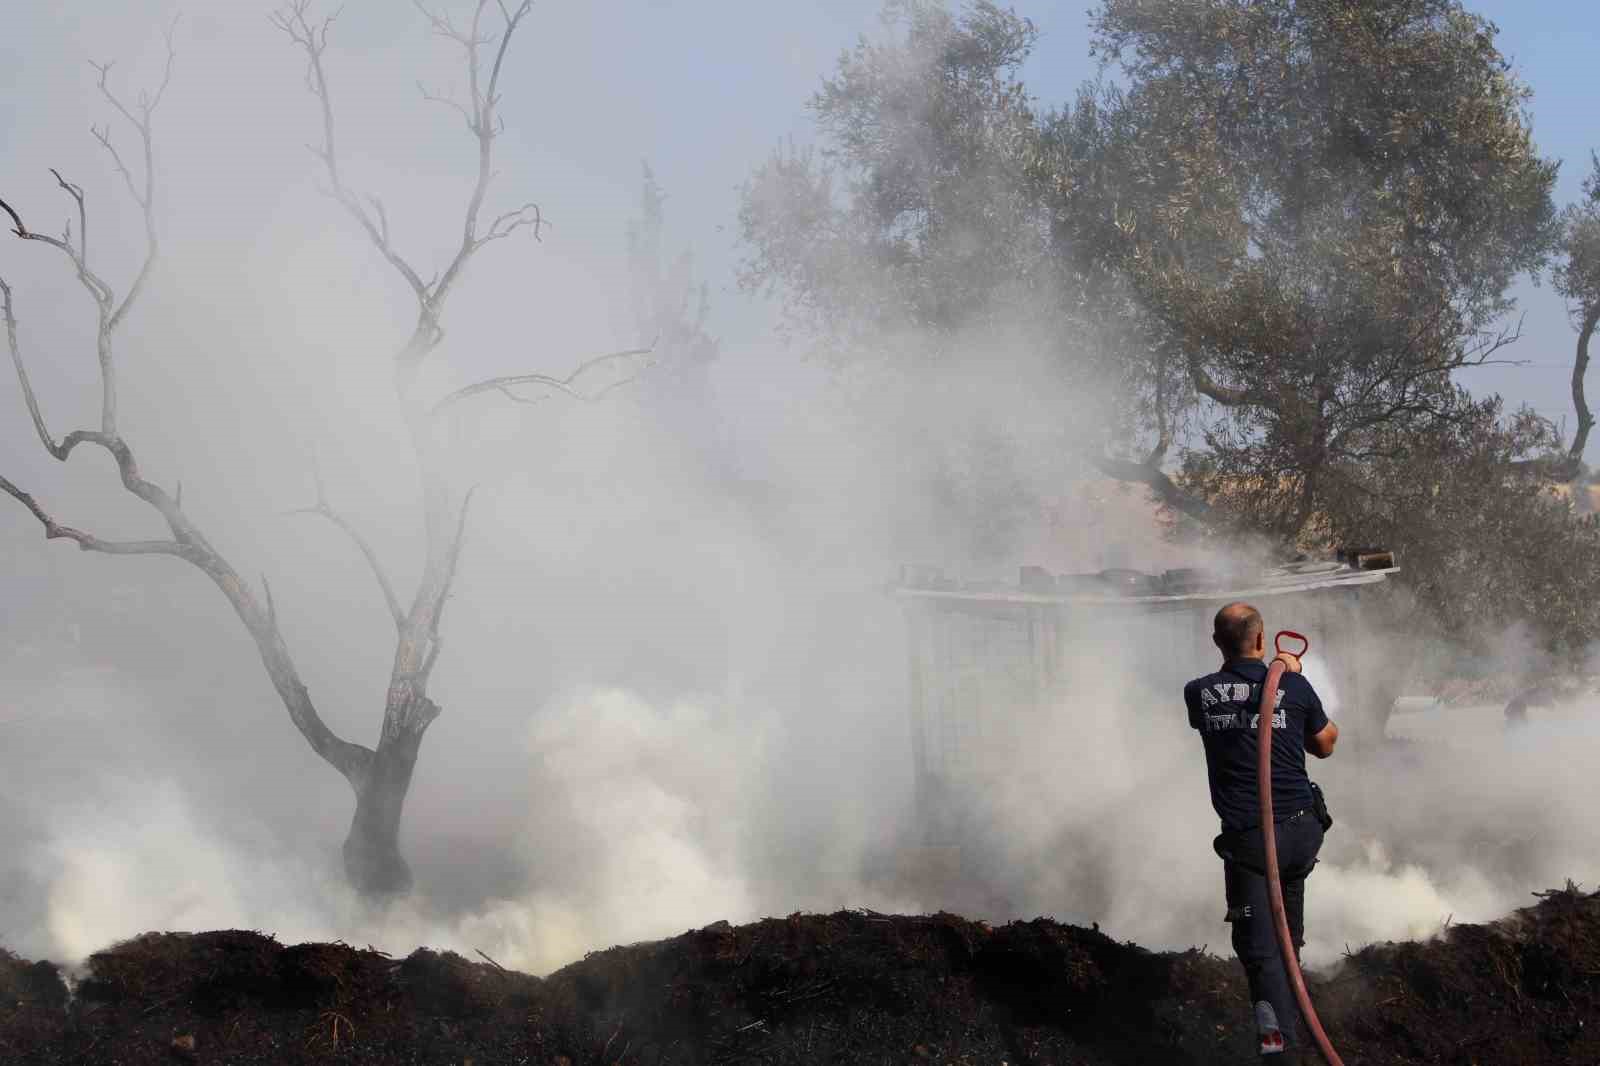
(674, 691)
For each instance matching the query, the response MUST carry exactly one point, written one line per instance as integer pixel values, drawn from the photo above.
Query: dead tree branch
(321, 507)
(28, 395)
(98, 290)
(141, 122)
(565, 385)
(88, 542)
(448, 101)
(76, 192)
(437, 614)
(482, 120)
(272, 607)
(508, 223)
(187, 543)
(16, 220)
(103, 299)
(103, 135)
(313, 40)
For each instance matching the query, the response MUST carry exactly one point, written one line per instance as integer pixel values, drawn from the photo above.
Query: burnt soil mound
(851, 987)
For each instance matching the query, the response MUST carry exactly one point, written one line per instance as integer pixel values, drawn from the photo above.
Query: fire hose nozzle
(1289, 634)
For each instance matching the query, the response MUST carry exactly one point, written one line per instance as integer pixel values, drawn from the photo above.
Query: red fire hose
(1280, 917)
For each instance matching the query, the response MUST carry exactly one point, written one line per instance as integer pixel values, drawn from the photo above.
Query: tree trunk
(372, 859)
(1580, 404)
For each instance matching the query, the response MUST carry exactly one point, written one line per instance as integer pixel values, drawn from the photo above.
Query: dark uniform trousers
(1244, 864)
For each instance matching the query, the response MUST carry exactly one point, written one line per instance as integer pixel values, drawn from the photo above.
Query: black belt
(1285, 820)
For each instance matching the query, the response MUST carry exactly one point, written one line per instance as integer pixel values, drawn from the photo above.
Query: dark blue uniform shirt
(1223, 707)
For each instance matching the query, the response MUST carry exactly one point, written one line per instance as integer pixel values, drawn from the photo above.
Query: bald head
(1238, 631)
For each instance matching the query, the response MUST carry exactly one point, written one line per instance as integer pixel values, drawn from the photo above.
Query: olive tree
(913, 238)
(1326, 203)
(1275, 248)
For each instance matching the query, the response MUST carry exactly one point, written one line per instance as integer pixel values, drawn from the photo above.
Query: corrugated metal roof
(1279, 581)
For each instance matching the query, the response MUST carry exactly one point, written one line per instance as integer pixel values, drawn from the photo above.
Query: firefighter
(1223, 707)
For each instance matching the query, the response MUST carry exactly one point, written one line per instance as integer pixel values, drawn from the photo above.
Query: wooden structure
(987, 663)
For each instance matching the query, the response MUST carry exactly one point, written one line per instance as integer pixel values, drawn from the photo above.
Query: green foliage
(915, 238)
(1326, 203)
(1577, 277)
(1273, 247)
(1487, 542)
(670, 315)
(1330, 200)
(670, 310)
(917, 218)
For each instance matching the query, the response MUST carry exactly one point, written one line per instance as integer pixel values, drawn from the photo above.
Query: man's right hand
(1290, 663)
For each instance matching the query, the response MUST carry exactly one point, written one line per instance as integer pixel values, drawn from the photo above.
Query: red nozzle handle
(1305, 645)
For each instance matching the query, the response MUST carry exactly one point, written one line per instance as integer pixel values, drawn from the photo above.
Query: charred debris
(850, 987)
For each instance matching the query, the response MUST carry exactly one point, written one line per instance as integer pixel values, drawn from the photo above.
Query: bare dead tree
(380, 776)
